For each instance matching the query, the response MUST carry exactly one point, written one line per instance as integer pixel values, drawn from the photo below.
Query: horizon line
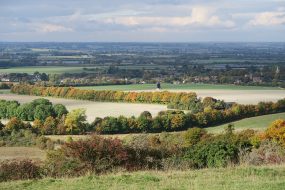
(142, 42)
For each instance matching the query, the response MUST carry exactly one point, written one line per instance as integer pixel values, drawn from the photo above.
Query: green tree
(60, 110)
(144, 121)
(25, 112)
(3, 109)
(12, 109)
(43, 111)
(41, 101)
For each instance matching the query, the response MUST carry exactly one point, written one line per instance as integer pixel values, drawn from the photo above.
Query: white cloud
(47, 28)
(200, 16)
(269, 18)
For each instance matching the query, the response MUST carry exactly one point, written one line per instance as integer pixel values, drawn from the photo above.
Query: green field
(168, 86)
(48, 70)
(256, 123)
(71, 69)
(246, 178)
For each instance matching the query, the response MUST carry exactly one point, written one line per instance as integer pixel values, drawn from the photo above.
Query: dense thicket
(194, 148)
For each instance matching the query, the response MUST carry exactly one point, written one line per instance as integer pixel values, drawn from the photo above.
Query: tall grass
(246, 178)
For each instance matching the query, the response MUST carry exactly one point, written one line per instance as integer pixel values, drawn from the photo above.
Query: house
(5, 79)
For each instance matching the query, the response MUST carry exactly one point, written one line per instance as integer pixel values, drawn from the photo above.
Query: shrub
(276, 131)
(14, 124)
(25, 138)
(216, 151)
(57, 164)
(194, 135)
(19, 170)
(44, 143)
(146, 152)
(97, 154)
(267, 153)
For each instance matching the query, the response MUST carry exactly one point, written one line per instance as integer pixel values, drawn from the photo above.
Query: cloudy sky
(142, 20)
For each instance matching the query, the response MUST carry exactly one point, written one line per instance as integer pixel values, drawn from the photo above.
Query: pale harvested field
(103, 109)
(33, 153)
(243, 96)
(94, 109)
(239, 96)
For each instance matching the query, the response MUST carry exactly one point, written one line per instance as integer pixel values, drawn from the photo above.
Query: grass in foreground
(257, 123)
(167, 86)
(246, 178)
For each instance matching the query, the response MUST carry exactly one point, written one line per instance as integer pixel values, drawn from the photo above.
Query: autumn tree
(37, 125)
(194, 135)
(75, 121)
(49, 126)
(276, 131)
(14, 124)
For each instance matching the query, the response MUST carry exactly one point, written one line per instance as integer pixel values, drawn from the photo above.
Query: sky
(142, 20)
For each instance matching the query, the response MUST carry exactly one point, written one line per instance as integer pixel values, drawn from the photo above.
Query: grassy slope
(259, 178)
(167, 86)
(256, 123)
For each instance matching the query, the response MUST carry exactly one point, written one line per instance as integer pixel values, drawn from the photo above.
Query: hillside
(256, 123)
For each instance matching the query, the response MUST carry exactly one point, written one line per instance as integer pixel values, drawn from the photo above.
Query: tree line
(181, 100)
(60, 122)
(178, 120)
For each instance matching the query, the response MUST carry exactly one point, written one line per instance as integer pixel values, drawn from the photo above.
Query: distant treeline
(181, 100)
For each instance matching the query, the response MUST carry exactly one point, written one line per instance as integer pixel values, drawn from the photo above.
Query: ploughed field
(94, 109)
